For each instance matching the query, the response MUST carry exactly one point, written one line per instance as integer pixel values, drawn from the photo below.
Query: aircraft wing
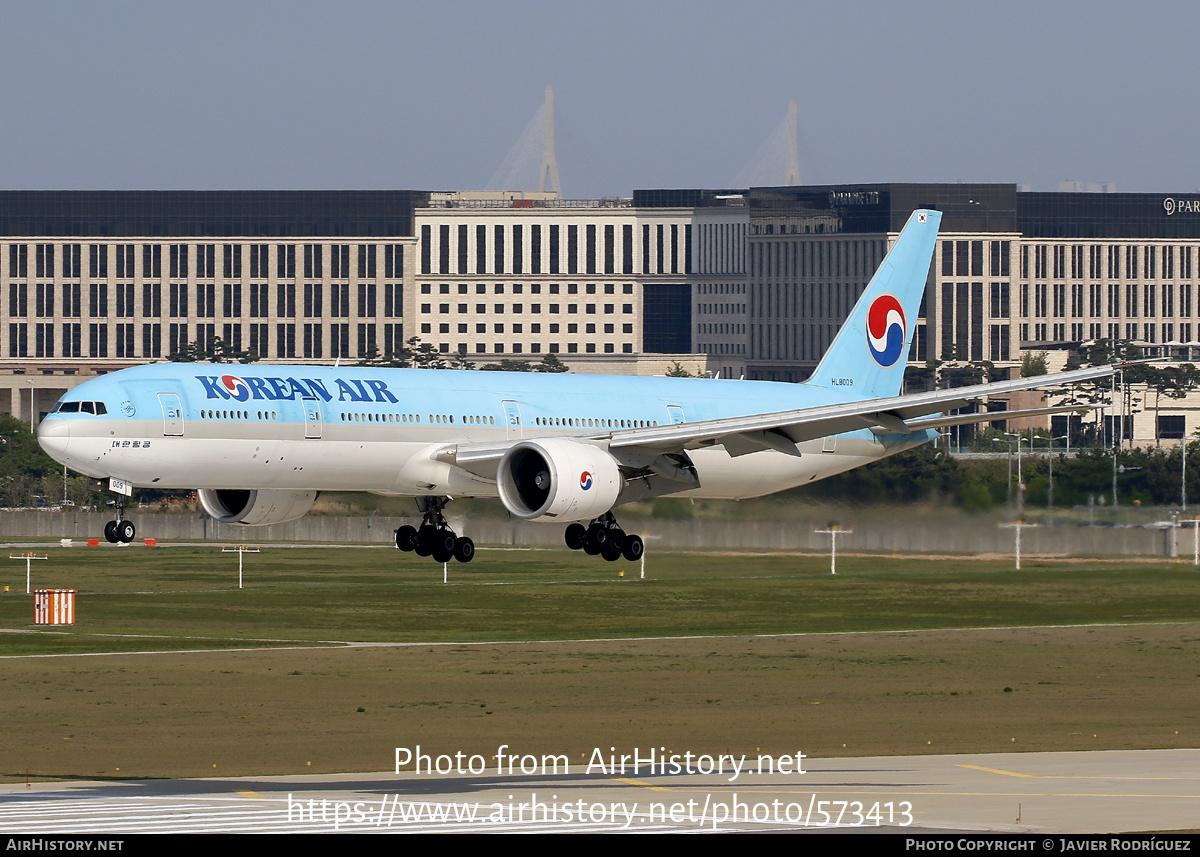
(782, 430)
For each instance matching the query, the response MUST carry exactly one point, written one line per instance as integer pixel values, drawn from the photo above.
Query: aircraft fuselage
(247, 427)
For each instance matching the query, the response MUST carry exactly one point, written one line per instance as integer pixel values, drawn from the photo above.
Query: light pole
(1119, 440)
(1020, 480)
(1121, 470)
(1183, 465)
(1050, 492)
(1114, 487)
(1009, 442)
(1183, 475)
(1118, 427)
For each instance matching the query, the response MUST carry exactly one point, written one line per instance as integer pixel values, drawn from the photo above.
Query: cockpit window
(80, 407)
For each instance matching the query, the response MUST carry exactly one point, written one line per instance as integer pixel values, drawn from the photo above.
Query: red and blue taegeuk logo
(886, 330)
(238, 390)
(585, 480)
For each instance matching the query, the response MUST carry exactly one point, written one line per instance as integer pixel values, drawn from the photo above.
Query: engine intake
(554, 479)
(256, 508)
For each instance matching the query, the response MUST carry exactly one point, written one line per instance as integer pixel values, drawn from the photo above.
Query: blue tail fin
(868, 355)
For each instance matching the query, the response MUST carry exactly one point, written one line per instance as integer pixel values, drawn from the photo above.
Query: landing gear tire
(597, 535)
(604, 537)
(434, 537)
(464, 549)
(110, 532)
(124, 531)
(444, 543)
(576, 536)
(634, 548)
(406, 538)
(425, 536)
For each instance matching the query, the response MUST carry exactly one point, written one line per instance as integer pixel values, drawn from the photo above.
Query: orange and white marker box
(54, 606)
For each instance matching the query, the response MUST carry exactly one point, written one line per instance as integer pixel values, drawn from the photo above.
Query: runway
(1034, 793)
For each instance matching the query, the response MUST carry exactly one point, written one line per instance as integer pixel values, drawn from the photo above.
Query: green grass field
(253, 681)
(183, 595)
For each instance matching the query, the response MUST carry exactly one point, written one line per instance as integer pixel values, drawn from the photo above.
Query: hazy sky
(267, 95)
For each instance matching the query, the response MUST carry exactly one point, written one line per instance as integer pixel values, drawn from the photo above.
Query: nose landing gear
(119, 530)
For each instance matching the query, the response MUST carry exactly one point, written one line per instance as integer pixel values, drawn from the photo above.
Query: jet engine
(554, 479)
(256, 508)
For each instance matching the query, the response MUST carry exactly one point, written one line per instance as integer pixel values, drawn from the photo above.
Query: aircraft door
(172, 412)
(675, 413)
(512, 419)
(312, 416)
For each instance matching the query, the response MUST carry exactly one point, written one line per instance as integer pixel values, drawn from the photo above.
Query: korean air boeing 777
(260, 441)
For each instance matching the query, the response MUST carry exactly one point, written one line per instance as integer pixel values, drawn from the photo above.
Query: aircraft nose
(54, 434)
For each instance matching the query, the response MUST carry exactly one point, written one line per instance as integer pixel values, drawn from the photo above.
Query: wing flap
(748, 442)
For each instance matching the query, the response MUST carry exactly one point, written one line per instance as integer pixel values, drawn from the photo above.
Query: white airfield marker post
(28, 557)
(239, 550)
(1195, 522)
(1018, 526)
(833, 532)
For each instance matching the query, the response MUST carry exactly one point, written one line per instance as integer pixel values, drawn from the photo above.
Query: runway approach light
(833, 532)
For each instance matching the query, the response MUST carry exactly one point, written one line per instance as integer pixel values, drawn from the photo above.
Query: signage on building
(1181, 206)
(862, 197)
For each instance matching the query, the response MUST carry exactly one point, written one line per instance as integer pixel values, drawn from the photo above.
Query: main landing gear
(434, 537)
(119, 530)
(604, 537)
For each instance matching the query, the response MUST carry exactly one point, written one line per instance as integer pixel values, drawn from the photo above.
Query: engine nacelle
(554, 479)
(256, 508)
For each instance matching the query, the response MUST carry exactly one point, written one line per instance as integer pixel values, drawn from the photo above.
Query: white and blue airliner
(260, 441)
